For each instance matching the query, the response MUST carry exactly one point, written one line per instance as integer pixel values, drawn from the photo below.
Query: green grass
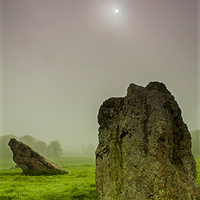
(79, 185)
(198, 168)
(46, 172)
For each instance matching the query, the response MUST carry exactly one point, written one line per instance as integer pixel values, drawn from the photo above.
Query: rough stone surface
(28, 159)
(144, 149)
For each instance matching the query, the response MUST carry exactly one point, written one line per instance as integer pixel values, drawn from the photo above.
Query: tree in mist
(54, 149)
(30, 141)
(5, 151)
(196, 142)
(41, 147)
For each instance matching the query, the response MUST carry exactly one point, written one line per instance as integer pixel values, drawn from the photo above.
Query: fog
(61, 59)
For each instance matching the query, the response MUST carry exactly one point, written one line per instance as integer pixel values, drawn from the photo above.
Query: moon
(116, 10)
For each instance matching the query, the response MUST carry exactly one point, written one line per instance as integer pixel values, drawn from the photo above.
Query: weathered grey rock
(28, 159)
(144, 149)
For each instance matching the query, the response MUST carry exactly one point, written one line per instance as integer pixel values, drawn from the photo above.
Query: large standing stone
(144, 149)
(28, 159)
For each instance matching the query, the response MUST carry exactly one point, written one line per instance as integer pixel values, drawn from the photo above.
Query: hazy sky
(62, 58)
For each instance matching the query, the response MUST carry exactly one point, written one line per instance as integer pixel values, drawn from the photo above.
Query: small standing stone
(28, 159)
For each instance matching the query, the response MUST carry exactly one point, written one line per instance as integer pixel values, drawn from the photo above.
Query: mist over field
(60, 60)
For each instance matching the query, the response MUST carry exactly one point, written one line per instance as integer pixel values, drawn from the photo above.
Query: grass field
(80, 184)
(198, 168)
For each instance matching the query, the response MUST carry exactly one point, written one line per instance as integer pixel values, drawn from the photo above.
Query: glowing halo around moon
(116, 10)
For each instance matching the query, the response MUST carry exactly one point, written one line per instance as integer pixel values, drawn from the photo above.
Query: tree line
(52, 150)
